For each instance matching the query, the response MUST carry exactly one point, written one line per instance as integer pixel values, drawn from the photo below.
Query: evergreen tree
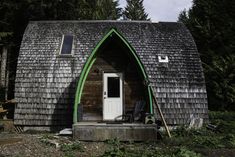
(107, 9)
(212, 24)
(135, 10)
(99, 10)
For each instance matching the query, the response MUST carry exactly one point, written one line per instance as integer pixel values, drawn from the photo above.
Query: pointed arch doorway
(112, 55)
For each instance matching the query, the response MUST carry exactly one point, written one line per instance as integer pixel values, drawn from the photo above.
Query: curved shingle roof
(46, 81)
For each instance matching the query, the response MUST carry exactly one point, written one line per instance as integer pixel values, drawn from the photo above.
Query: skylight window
(67, 44)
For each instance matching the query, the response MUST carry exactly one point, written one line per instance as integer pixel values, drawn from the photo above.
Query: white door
(112, 96)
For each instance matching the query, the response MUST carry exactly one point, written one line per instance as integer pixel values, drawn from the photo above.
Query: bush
(115, 149)
(184, 152)
(228, 141)
(71, 147)
(224, 121)
(207, 142)
(218, 115)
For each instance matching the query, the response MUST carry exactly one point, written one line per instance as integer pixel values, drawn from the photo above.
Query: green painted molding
(90, 61)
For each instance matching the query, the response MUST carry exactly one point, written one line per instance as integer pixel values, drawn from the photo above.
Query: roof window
(163, 59)
(67, 44)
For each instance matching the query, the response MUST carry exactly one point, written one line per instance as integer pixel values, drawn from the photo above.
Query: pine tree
(107, 10)
(135, 10)
(212, 24)
(99, 10)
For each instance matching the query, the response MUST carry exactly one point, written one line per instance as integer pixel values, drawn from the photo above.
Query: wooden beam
(161, 115)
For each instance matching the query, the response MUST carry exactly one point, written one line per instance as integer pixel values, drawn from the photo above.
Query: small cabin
(98, 71)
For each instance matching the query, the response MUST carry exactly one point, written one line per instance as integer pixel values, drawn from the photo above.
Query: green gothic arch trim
(90, 61)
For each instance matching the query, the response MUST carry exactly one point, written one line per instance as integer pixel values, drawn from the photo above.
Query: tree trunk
(3, 67)
(7, 79)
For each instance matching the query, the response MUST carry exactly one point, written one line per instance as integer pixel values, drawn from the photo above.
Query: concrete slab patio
(93, 131)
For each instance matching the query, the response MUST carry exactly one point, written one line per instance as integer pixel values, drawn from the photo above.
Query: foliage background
(212, 24)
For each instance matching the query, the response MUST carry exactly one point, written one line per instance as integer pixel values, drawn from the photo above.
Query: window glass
(67, 44)
(113, 87)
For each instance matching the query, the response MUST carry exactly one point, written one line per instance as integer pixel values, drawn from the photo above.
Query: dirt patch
(47, 144)
(9, 141)
(8, 125)
(35, 145)
(26, 145)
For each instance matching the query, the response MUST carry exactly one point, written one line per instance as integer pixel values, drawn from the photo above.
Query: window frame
(163, 59)
(61, 46)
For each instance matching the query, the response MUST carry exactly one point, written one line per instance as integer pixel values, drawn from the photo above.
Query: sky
(163, 10)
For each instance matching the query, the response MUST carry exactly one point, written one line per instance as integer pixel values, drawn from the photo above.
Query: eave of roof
(100, 21)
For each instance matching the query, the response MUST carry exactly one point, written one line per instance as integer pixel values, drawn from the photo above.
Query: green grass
(69, 149)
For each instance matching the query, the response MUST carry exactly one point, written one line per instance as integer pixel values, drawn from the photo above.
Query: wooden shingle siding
(46, 81)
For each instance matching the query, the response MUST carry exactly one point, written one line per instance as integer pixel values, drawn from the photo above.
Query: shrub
(184, 152)
(229, 141)
(71, 147)
(115, 149)
(207, 142)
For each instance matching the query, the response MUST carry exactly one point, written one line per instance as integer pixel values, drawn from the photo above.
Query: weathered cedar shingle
(46, 82)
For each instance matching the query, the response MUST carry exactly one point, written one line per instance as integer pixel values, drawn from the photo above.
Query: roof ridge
(92, 21)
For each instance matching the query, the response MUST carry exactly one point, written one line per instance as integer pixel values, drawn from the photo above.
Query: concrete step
(124, 132)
